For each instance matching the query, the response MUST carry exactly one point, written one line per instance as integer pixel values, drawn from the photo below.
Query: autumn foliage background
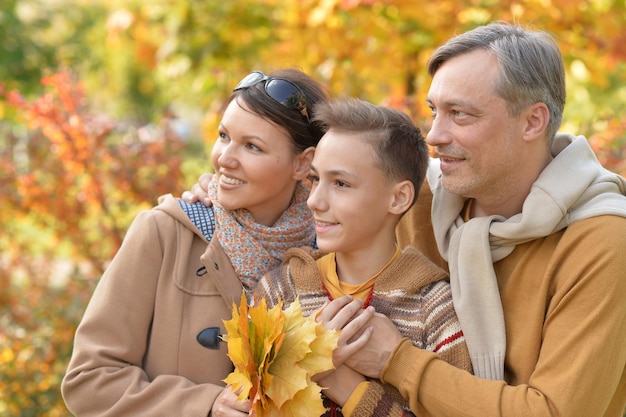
(105, 105)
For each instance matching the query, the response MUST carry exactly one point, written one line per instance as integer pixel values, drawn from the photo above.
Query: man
(534, 233)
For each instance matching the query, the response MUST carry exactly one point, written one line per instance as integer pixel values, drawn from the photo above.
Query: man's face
(480, 145)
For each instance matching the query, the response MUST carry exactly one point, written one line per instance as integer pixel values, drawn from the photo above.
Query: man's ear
(537, 120)
(403, 194)
(302, 163)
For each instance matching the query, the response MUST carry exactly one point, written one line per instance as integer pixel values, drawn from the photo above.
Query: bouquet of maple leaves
(275, 353)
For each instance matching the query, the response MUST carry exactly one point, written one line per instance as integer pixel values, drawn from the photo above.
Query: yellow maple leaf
(275, 354)
(299, 334)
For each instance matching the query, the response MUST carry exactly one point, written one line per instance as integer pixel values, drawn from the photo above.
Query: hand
(339, 384)
(347, 315)
(338, 312)
(226, 405)
(371, 357)
(199, 191)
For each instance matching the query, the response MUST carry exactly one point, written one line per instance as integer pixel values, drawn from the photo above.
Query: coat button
(210, 338)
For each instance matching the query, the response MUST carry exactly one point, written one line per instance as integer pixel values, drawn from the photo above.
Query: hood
(169, 204)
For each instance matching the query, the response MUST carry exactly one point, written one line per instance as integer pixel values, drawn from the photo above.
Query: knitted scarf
(253, 248)
(573, 187)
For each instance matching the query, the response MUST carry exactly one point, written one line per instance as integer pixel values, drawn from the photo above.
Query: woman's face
(255, 164)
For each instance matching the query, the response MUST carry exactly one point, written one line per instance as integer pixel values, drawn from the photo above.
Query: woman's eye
(314, 178)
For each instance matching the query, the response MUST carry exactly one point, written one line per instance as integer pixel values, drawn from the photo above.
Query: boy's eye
(314, 178)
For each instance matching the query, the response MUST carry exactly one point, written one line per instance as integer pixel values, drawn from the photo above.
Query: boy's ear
(403, 193)
(302, 164)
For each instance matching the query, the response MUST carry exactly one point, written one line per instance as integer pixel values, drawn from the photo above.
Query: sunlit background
(105, 105)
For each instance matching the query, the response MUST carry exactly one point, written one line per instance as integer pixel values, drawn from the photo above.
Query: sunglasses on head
(283, 91)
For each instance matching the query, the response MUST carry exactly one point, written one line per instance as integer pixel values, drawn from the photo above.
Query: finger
(337, 315)
(204, 180)
(243, 406)
(318, 312)
(330, 309)
(189, 197)
(344, 352)
(356, 326)
(200, 194)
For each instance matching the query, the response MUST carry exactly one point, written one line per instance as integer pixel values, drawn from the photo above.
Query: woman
(148, 343)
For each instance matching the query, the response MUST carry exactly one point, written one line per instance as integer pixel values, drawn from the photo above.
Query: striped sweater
(412, 291)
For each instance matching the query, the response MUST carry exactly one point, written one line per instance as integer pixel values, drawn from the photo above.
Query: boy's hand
(339, 384)
(347, 315)
(199, 191)
(367, 338)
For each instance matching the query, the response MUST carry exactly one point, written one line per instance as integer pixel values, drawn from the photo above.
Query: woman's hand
(226, 405)
(199, 191)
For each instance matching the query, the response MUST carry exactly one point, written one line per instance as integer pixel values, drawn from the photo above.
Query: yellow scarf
(336, 288)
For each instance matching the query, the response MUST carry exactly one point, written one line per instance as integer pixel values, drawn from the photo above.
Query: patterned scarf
(253, 248)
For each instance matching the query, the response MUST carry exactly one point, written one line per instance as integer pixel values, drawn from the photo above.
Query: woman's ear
(403, 194)
(302, 163)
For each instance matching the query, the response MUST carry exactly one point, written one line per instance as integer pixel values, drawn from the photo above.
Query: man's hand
(371, 357)
(199, 191)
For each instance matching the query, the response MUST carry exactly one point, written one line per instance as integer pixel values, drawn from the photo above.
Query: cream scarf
(573, 187)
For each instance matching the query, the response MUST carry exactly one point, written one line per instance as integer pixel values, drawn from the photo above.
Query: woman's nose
(226, 155)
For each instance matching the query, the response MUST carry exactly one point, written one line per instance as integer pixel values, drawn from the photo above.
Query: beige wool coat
(135, 350)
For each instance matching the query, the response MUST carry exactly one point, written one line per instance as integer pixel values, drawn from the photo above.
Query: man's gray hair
(531, 66)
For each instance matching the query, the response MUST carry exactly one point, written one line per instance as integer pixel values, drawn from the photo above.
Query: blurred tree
(22, 57)
(69, 189)
(80, 178)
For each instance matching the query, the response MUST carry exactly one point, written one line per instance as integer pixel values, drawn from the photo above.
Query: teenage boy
(365, 173)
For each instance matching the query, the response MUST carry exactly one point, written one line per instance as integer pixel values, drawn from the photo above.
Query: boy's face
(350, 197)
